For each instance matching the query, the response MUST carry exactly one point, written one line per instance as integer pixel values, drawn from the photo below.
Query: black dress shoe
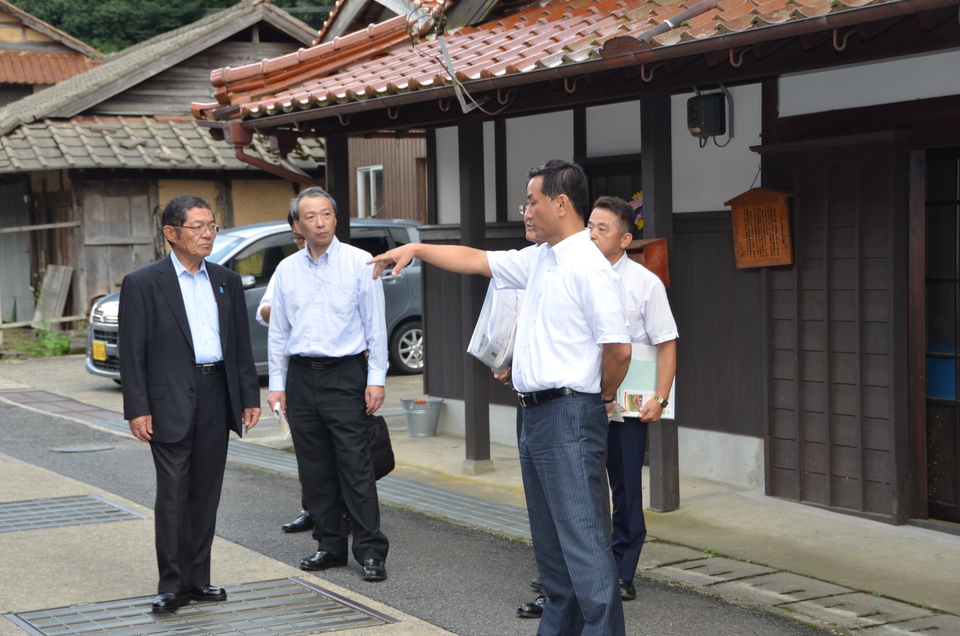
(532, 610)
(207, 594)
(166, 603)
(536, 583)
(374, 570)
(300, 524)
(321, 561)
(627, 591)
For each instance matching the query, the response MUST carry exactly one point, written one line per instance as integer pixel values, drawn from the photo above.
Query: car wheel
(406, 348)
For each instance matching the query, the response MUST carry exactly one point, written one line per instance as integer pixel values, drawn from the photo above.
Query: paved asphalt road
(466, 581)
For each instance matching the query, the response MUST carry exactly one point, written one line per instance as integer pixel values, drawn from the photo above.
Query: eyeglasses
(296, 238)
(197, 229)
(523, 209)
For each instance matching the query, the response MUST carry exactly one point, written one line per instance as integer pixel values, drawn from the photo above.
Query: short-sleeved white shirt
(573, 305)
(645, 298)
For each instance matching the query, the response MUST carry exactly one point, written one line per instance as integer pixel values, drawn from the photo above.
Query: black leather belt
(210, 368)
(319, 364)
(540, 397)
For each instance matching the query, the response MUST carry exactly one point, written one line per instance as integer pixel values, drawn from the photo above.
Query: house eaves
(144, 60)
(539, 42)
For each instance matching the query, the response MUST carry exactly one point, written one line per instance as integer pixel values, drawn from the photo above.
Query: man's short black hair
(563, 177)
(175, 212)
(626, 217)
(308, 193)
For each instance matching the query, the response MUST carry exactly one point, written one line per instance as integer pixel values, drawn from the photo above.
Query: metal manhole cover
(283, 607)
(35, 514)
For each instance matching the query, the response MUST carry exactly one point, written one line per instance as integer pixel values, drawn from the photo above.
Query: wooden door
(837, 323)
(120, 232)
(16, 295)
(943, 334)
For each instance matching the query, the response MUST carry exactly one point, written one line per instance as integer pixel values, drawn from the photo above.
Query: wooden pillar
(338, 181)
(658, 223)
(476, 377)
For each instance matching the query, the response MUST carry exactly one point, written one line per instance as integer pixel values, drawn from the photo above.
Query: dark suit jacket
(157, 363)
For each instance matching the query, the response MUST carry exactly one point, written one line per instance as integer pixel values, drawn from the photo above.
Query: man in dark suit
(188, 379)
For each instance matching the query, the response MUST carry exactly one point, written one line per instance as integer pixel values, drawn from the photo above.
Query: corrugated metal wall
(403, 185)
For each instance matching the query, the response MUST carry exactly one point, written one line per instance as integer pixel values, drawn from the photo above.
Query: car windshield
(222, 245)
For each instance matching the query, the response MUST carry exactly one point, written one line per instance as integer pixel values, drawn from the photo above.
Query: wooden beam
(38, 227)
(338, 181)
(917, 335)
(30, 323)
(476, 376)
(655, 148)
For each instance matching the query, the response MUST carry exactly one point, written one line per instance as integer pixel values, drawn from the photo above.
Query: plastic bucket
(422, 416)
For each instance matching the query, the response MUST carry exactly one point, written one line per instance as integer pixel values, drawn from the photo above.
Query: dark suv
(254, 251)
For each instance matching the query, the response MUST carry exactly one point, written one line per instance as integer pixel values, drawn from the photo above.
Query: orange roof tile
(32, 67)
(379, 61)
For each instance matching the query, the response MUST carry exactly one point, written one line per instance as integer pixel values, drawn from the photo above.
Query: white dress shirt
(572, 306)
(327, 308)
(648, 310)
(202, 312)
(267, 299)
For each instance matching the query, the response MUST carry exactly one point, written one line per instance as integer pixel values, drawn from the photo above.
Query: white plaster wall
(503, 422)
(613, 129)
(703, 178)
(887, 82)
(531, 142)
(724, 457)
(448, 176)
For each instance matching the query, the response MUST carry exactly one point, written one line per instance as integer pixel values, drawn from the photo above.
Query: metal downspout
(240, 137)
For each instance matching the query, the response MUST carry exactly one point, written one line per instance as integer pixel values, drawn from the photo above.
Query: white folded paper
(284, 425)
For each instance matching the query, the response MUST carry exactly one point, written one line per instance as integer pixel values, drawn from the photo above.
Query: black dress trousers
(189, 481)
(325, 407)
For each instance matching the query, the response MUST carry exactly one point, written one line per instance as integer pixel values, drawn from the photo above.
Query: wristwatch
(607, 401)
(659, 400)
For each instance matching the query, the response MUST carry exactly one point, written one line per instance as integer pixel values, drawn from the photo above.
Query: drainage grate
(36, 514)
(268, 608)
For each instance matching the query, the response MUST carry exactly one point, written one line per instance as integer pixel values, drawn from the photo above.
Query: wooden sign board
(761, 228)
(652, 254)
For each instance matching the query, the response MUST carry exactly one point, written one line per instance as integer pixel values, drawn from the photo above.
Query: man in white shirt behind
(572, 352)
(651, 322)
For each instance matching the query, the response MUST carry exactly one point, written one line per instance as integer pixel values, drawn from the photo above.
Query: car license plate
(99, 350)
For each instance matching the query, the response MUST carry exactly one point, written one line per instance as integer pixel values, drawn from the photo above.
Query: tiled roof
(380, 62)
(126, 67)
(133, 143)
(32, 67)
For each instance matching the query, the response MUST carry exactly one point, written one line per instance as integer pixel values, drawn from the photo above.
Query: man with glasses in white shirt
(327, 351)
(572, 352)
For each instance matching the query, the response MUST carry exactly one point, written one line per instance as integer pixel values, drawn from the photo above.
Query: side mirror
(248, 281)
